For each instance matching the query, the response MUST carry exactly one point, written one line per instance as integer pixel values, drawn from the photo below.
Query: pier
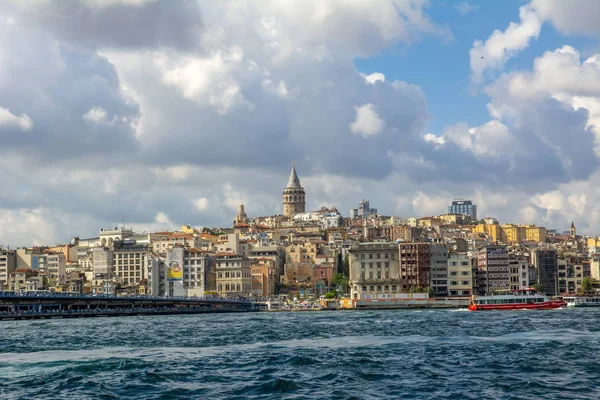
(18, 306)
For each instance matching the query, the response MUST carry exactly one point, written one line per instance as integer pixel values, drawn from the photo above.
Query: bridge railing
(77, 296)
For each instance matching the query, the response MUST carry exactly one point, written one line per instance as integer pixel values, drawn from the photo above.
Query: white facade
(374, 271)
(460, 275)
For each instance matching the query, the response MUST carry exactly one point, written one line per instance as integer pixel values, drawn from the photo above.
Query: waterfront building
(415, 265)
(294, 197)
(264, 276)
(493, 273)
(233, 275)
(518, 273)
(460, 276)
(374, 270)
(439, 269)
(465, 207)
(363, 211)
(8, 264)
(128, 262)
(546, 265)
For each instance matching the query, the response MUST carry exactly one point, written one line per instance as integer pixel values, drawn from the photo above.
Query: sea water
(391, 354)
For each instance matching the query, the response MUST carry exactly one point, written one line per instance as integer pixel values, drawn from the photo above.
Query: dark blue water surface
(307, 355)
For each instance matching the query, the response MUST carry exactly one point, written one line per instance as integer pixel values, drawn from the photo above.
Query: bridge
(35, 305)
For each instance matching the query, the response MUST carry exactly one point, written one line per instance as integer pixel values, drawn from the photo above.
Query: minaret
(293, 195)
(572, 231)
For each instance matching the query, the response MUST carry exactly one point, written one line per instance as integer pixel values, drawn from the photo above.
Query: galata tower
(293, 195)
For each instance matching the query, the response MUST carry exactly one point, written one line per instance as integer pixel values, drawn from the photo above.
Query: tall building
(492, 269)
(546, 265)
(464, 207)
(363, 210)
(374, 271)
(415, 265)
(439, 269)
(8, 264)
(460, 277)
(294, 201)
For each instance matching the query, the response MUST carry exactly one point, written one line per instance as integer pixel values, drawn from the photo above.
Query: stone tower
(293, 195)
(241, 217)
(572, 231)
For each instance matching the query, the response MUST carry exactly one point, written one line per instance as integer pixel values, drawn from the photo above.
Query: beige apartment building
(374, 270)
(233, 275)
(8, 264)
(460, 275)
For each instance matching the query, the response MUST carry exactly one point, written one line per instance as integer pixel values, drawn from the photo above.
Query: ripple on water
(343, 355)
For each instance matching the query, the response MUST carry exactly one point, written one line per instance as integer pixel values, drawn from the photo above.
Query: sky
(164, 113)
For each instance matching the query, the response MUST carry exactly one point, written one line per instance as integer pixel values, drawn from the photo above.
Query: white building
(363, 210)
(460, 274)
(374, 271)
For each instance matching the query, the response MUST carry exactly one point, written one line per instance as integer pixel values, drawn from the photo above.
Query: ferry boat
(515, 300)
(582, 301)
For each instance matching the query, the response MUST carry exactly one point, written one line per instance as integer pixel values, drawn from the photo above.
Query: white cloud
(374, 77)
(464, 7)
(430, 137)
(500, 46)
(96, 115)
(570, 17)
(201, 204)
(367, 122)
(103, 4)
(9, 119)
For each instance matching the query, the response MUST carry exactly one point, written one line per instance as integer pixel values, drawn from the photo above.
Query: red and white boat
(515, 300)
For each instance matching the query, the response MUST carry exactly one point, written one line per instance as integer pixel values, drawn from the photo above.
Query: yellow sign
(175, 272)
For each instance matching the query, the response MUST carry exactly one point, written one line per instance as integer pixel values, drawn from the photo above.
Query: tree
(341, 281)
(346, 265)
(539, 288)
(331, 295)
(587, 285)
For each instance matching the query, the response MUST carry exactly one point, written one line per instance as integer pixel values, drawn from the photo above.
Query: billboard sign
(174, 264)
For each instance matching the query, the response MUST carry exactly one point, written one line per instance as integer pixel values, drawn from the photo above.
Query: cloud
(501, 45)
(464, 7)
(374, 77)
(367, 122)
(201, 204)
(8, 119)
(169, 115)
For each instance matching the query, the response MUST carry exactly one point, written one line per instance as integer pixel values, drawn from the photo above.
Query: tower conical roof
(293, 182)
(572, 225)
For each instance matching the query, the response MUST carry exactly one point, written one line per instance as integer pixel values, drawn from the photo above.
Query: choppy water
(307, 355)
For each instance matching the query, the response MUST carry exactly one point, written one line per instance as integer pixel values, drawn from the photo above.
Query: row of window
(374, 289)
(372, 265)
(387, 275)
(233, 287)
(455, 273)
(372, 256)
(456, 283)
(233, 274)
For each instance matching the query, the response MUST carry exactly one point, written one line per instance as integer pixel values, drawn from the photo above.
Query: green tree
(538, 287)
(341, 281)
(331, 295)
(587, 285)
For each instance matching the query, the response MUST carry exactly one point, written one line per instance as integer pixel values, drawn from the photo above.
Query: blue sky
(441, 67)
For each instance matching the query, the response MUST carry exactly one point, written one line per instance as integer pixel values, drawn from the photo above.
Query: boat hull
(546, 305)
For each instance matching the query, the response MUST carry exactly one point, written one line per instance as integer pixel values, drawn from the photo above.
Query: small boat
(523, 299)
(582, 301)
